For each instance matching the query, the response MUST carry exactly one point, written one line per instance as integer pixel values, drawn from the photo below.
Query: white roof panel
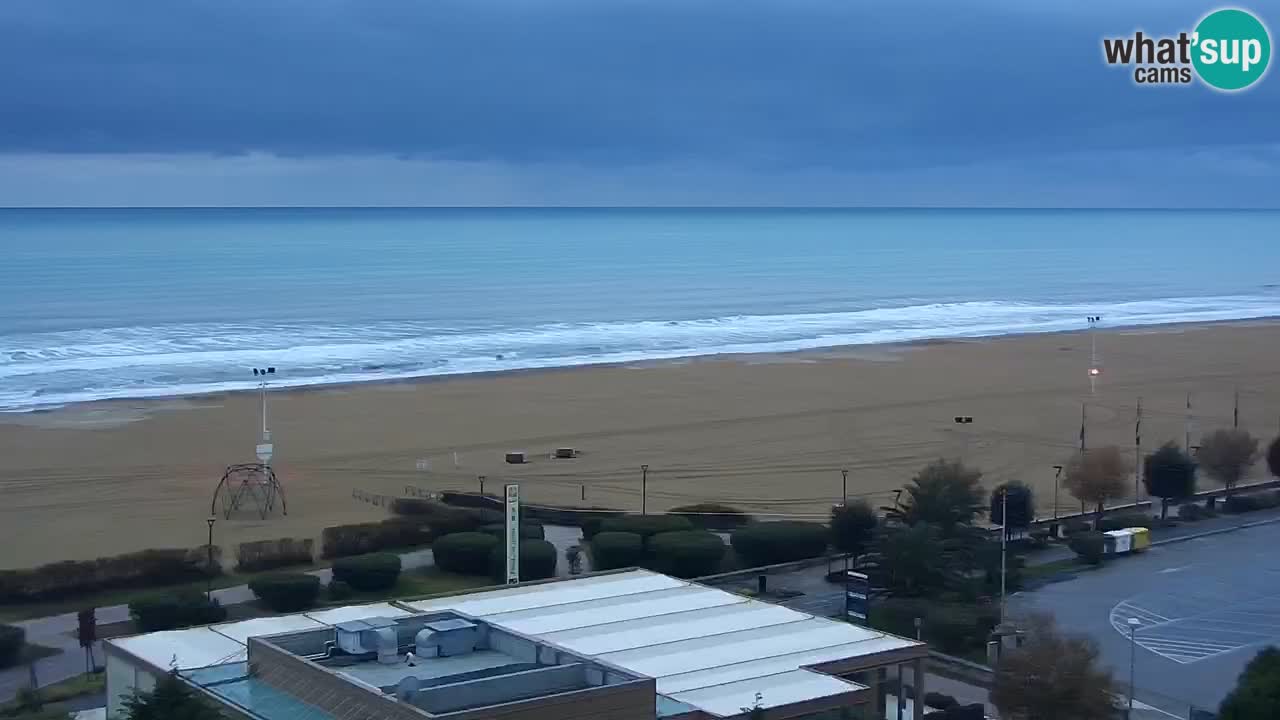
(548, 594)
(356, 612)
(538, 621)
(762, 667)
(181, 649)
(714, 620)
(258, 627)
(776, 690)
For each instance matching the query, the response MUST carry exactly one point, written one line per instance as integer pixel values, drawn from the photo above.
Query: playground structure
(251, 488)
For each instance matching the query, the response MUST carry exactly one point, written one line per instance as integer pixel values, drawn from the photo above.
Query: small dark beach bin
(516, 457)
(566, 453)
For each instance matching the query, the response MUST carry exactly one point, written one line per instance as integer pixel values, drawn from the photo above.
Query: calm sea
(136, 303)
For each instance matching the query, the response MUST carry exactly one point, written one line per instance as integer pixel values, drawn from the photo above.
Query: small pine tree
(170, 699)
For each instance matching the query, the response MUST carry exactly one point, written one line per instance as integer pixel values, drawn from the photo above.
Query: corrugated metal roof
(180, 649)
(257, 627)
(708, 648)
(357, 612)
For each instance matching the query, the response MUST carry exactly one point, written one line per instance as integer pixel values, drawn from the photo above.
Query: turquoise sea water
(137, 303)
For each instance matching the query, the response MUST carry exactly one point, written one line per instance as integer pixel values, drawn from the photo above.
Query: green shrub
(1195, 511)
(339, 591)
(956, 629)
(686, 553)
(184, 608)
(528, 531)
(612, 550)
(591, 526)
(538, 559)
(12, 640)
(77, 577)
(465, 553)
(1121, 521)
(771, 543)
(548, 514)
(363, 538)
(413, 506)
(712, 516)
(368, 573)
(646, 525)
(272, 554)
(1249, 503)
(1090, 546)
(286, 592)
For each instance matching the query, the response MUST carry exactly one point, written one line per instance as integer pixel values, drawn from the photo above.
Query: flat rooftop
(708, 649)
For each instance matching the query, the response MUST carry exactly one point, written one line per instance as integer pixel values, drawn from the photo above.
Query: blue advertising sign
(856, 590)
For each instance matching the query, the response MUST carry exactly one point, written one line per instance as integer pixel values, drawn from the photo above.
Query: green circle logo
(1232, 49)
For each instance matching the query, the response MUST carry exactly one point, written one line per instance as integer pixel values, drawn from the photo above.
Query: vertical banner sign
(856, 589)
(513, 534)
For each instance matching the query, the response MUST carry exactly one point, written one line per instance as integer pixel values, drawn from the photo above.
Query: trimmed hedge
(465, 553)
(1075, 527)
(362, 538)
(286, 592)
(712, 516)
(771, 543)
(528, 531)
(548, 514)
(130, 570)
(178, 610)
(12, 640)
(272, 554)
(1090, 546)
(1249, 503)
(368, 573)
(1195, 511)
(686, 553)
(646, 526)
(1125, 520)
(538, 559)
(612, 550)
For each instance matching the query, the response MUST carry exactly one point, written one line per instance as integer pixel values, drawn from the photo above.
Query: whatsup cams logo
(1228, 50)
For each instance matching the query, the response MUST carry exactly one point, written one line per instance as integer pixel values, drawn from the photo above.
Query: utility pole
(1057, 473)
(1004, 545)
(644, 489)
(1137, 452)
(1235, 414)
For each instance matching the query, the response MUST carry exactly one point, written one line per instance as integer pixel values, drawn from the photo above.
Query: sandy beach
(764, 432)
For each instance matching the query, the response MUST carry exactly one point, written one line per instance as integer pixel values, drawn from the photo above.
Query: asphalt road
(1204, 608)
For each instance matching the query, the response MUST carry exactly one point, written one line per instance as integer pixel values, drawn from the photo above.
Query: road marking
(1174, 569)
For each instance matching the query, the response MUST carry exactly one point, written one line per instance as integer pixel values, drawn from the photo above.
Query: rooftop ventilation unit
(361, 637)
(445, 638)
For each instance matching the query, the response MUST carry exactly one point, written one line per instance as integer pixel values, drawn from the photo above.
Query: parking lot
(1204, 608)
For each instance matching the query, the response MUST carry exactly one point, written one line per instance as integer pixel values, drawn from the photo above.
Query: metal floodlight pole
(1133, 656)
(208, 590)
(1004, 544)
(1056, 475)
(644, 489)
(844, 487)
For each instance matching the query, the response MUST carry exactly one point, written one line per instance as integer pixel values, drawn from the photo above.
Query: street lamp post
(208, 590)
(1004, 544)
(1057, 473)
(1133, 654)
(844, 486)
(644, 489)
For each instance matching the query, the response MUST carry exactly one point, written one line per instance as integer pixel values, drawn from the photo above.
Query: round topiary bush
(528, 530)
(368, 573)
(286, 592)
(339, 590)
(646, 525)
(12, 640)
(465, 553)
(687, 553)
(184, 608)
(538, 559)
(1090, 546)
(612, 550)
(771, 543)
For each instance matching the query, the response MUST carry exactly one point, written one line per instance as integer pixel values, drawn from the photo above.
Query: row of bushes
(175, 610)
(952, 628)
(1250, 503)
(668, 543)
(291, 592)
(363, 538)
(682, 553)
(12, 640)
(136, 569)
(271, 554)
(483, 553)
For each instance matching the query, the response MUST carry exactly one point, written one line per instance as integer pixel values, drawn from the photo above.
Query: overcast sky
(615, 102)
